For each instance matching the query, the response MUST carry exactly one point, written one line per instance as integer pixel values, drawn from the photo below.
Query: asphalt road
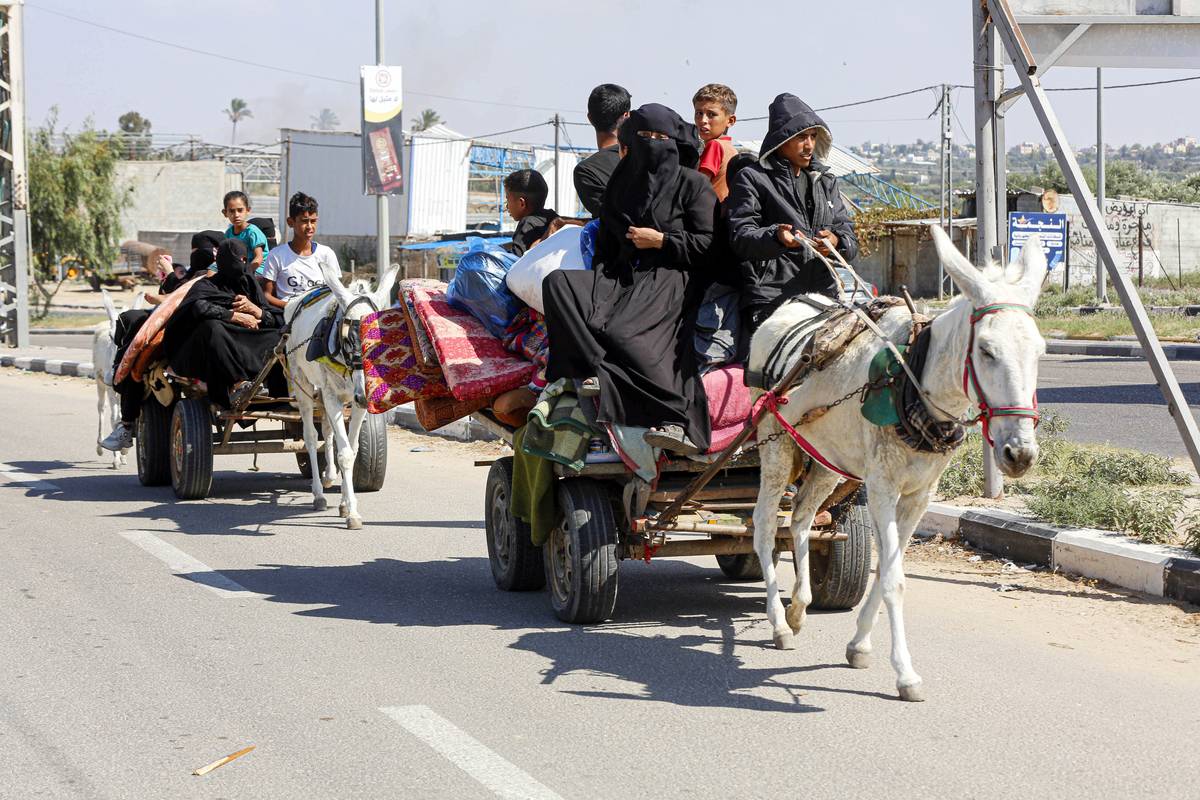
(145, 637)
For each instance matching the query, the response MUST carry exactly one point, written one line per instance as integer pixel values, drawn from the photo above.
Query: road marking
(15, 476)
(455, 745)
(183, 564)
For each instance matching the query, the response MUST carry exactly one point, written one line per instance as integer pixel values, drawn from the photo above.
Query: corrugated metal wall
(543, 159)
(438, 166)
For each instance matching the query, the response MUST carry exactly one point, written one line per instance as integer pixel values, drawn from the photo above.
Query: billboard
(1051, 227)
(382, 130)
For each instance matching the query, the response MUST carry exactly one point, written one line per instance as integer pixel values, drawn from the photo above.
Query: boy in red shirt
(716, 107)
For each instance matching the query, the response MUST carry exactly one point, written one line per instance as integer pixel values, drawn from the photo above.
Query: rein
(970, 379)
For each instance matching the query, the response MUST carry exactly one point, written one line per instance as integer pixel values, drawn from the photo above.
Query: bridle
(970, 380)
(349, 338)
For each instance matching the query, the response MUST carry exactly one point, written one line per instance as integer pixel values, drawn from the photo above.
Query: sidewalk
(1156, 570)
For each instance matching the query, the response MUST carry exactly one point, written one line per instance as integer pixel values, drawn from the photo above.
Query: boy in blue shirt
(236, 209)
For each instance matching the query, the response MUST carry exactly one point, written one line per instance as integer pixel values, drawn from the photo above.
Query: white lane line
(500, 776)
(183, 564)
(15, 476)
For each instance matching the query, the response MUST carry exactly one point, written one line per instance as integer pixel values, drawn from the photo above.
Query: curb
(1157, 570)
(52, 366)
(63, 331)
(1080, 347)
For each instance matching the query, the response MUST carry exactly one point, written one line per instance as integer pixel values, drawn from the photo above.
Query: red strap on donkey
(773, 401)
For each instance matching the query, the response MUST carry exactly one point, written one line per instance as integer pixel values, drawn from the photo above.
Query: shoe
(120, 439)
(590, 387)
(671, 437)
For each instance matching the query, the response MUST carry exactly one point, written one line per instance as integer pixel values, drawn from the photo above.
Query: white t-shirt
(295, 274)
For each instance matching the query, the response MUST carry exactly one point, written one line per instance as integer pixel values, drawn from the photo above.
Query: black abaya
(201, 340)
(630, 322)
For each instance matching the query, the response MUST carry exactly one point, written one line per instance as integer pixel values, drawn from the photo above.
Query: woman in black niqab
(221, 333)
(629, 322)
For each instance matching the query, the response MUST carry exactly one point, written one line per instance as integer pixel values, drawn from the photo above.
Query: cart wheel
(839, 576)
(744, 566)
(153, 444)
(516, 561)
(305, 467)
(191, 449)
(370, 467)
(581, 554)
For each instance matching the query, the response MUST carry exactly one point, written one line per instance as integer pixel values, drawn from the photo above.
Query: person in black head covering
(221, 334)
(626, 327)
(788, 195)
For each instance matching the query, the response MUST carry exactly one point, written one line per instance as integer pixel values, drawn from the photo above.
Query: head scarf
(788, 116)
(204, 246)
(233, 274)
(642, 188)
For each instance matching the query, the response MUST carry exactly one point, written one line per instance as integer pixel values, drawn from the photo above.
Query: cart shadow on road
(682, 633)
(254, 500)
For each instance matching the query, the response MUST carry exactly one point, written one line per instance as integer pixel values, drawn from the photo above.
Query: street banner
(1051, 227)
(382, 131)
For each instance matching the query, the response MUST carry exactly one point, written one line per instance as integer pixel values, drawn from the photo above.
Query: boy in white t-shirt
(295, 268)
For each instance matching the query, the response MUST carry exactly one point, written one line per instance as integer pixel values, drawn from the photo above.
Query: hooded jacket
(767, 194)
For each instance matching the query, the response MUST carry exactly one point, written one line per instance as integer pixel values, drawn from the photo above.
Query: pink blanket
(728, 404)
(475, 363)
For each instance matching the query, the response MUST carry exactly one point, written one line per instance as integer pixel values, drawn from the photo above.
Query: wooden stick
(220, 762)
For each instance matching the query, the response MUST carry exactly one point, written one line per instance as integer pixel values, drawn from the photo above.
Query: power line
(272, 67)
(859, 102)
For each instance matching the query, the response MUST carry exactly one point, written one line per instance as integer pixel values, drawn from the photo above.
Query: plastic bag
(587, 242)
(479, 286)
(560, 250)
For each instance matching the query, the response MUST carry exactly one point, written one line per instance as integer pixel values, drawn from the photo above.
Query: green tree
(135, 134)
(427, 120)
(238, 110)
(327, 120)
(74, 203)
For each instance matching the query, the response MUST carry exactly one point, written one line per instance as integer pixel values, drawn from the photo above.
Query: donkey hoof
(784, 640)
(320, 504)
(354, 523)
(913, 694)
(795, 618)
(326, 483)
(343, 511)
(99, 450)
(857, 658)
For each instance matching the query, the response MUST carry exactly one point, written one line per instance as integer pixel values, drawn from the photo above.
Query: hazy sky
(547, 55)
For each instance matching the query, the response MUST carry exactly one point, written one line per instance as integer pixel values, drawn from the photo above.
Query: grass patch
(1092, 486)
(68, 321)
(1107, 324)
(1191, 539)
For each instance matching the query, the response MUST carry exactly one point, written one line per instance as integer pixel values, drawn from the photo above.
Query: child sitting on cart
(295, 267)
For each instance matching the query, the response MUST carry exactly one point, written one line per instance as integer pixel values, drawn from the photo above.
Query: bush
(1087, 501)
(1191, 538)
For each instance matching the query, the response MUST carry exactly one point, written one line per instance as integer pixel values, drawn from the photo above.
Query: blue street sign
(1051, 227)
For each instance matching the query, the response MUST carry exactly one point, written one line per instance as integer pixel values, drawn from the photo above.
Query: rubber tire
(152, 445)
(370, 466)
(191, 449)
(518, 567)
(305, 467)
(589, 593)
(839, 579)
(743, 566)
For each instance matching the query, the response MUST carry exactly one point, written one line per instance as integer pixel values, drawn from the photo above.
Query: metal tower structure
(14, 190)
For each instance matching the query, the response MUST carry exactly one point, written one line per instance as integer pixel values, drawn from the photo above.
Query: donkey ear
(969, 279)
(1033, 262)
(334, 281)
(383, 294)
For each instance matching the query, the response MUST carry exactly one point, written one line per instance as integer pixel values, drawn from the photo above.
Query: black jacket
(760, 199)
(591, 177)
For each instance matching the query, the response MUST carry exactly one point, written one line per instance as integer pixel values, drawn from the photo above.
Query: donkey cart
(695, 509)
(179, 431)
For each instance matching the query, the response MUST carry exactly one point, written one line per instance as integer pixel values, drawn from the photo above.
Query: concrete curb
(1154, 569)
(1079, 347)
(52, 366)
(63, 331)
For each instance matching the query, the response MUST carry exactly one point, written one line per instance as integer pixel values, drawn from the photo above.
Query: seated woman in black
(626, 328)
(220, 334)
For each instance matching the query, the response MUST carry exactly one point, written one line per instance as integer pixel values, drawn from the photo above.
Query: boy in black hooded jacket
(788, 195)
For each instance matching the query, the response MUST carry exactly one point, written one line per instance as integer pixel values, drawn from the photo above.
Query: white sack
(560, 250)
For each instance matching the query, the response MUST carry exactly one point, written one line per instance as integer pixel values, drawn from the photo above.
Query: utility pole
(1101, 284)
(14, 180)
(946, 217)
(988, 188)
(557, 181)
(383, 243)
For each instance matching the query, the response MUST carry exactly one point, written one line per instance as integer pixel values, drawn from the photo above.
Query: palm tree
(327, 120)
(427, 120)
(238, 110)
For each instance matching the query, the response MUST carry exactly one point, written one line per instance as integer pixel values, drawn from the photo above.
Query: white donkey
(316, 383)
(104, 351)
(982, 358)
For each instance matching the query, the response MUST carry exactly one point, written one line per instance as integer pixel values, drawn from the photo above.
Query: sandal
(671, 437)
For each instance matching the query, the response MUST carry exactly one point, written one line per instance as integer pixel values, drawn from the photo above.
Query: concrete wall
(1170, 238)
(906, 257)
(174, 195)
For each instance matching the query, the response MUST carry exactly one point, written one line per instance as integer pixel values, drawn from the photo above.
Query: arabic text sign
(1052, 228)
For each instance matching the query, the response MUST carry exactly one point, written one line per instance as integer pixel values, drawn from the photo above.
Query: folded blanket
(390, 364)
(475, 363)
(533, 500)
(147, 342)
(558, 428)
(527, 337)
(423, 348)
